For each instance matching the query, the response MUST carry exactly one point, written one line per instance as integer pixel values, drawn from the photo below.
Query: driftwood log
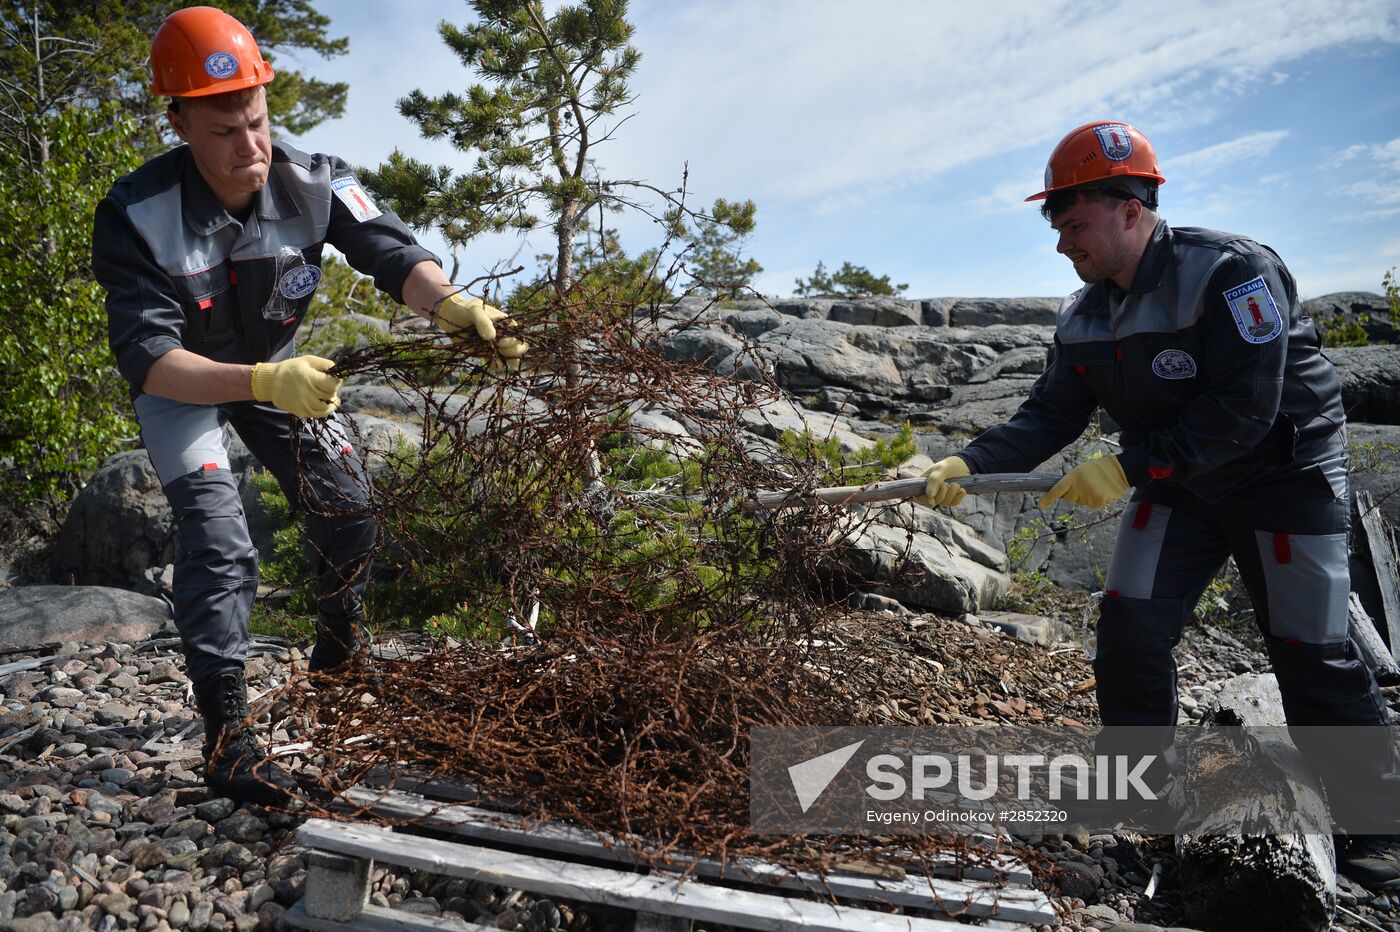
(1374, 532)
(1261, 881)
(899, 490)
(1368, 641)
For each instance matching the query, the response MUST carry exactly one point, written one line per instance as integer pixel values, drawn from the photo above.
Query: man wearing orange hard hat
(210, 255)
(1233, 443)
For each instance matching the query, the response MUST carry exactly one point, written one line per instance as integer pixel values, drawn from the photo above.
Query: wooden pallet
(567, 862)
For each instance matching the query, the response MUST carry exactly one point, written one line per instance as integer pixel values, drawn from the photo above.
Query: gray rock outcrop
(35, 615)
(1370, 377)
(1366, 308)
(118, 528)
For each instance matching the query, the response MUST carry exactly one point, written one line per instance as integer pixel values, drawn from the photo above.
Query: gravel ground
(106, 824)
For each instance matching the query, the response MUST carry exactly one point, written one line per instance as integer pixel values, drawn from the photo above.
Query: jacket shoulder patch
(354, 197)
(1256, 315)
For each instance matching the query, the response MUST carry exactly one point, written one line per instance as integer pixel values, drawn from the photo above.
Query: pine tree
(532, 123)
(715, 258)
(847, 281)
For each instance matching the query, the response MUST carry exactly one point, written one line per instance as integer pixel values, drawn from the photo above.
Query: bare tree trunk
(42, 142)
(565, 230)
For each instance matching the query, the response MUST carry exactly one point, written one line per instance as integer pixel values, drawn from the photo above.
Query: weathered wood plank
(379, 919)
(1261, 881)
(1383, 562)
(500, 828)
(1373, 650)
(19, 666)
(641, 893)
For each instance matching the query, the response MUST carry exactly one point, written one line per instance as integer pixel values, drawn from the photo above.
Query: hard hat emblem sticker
(221, 65)
(1113, 137)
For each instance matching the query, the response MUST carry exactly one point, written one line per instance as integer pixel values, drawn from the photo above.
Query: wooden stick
(1383, 562)
(900, 489)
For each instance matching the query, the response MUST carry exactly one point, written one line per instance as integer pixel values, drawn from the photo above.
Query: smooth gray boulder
(920, 571)
(971, 409)
(782, 415)
(657, 430)
(1369, 309)
(704, 345)
(1370, 377)
(753, 323)
(31, 616)
(809, 354)
(895, 364)
(982, 312)
(925, 560)
(877, 312)
(887, 311)
(806, 308)
(119, 527)
(1032, 629)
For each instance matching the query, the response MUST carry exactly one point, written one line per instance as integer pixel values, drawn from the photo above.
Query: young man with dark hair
(1233, 438)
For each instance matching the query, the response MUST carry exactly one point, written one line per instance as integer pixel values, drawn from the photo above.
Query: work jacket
(1207, 364)
(181, 272)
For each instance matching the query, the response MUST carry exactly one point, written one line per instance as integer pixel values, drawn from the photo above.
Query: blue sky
(905, 137)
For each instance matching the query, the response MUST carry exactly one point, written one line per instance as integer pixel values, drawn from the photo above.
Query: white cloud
(1225, 154)
(1385, 153)
(804, 100)
(1367, 216)
(1378, 168)
(869, 134)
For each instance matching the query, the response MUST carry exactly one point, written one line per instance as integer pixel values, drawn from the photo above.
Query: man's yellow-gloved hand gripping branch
(300, 385)
(940, 490)
(466, 319)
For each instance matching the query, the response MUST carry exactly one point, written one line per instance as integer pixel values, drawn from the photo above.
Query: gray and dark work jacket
(1207, 363)
(181, 273)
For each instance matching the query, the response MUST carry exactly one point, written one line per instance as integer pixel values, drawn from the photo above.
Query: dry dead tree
(669, 619)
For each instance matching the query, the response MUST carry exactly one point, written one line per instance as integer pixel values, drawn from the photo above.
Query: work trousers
(1288, 536)
(216, 573)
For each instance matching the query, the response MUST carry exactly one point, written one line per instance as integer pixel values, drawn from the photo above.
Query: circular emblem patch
(1174, 364)
(221, 65)
(299, 282)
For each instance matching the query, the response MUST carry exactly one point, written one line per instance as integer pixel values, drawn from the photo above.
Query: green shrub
(846, 468)
(63, 407)
(1337, 330)
(437, 571)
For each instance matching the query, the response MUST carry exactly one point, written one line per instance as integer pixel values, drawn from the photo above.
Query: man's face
(1093, 237)
(231, 147)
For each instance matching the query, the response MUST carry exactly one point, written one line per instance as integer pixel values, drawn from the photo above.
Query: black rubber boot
(1370, 860)
(235, 764)
(338, 640)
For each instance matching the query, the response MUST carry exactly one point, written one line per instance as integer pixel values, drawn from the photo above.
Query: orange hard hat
(1099, 151)
(200, 51)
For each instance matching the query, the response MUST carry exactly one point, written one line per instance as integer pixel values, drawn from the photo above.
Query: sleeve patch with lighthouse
(1256, 315)
(354, 198)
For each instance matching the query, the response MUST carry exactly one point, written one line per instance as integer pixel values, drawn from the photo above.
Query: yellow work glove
(1092, 484)
(461, 316)
(299, 385)
(939, 490)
